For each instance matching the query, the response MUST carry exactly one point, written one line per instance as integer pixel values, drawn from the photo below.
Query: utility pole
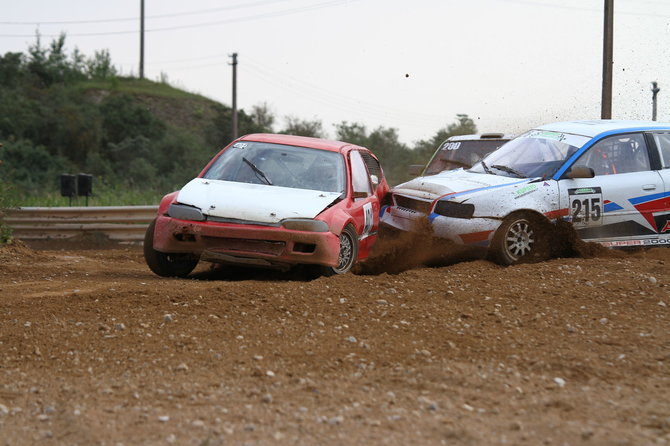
(654, 92)
(608, 50)
(234, 64)
(141, 39)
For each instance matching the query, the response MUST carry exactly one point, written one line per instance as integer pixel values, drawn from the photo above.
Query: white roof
(594, 128)
(477, 137)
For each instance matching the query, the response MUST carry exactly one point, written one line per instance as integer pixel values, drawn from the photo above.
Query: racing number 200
(585, 209)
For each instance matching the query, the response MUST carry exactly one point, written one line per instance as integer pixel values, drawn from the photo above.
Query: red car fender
(337, 219)
(166, 201)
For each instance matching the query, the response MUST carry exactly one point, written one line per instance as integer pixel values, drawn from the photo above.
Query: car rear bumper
(255, 245)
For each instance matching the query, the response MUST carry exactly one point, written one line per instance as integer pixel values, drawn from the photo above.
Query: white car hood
(452, 181)
(253, 202)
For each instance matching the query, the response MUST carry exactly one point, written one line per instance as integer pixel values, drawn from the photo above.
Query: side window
(373, 165)
(359, 174)
(617, 154)
(662, 141)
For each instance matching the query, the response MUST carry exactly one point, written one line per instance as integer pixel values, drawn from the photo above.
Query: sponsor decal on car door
(365, 207)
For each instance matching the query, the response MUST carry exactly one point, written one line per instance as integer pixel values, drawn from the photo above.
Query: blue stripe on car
(472, 191)
(645, 198)
(612, 206)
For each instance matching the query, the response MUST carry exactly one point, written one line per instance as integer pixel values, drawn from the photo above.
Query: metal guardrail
(121, 223)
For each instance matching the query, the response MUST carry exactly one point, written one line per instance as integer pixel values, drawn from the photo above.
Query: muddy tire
(521, 238)
(163, 264)
(348, 253)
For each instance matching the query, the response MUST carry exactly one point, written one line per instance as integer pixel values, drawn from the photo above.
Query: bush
(30, 168)
(5, 231)
(123, 117)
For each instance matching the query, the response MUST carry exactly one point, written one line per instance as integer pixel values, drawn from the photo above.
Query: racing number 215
(585, 210)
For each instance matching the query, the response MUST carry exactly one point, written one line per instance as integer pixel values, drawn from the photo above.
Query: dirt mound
(15, 250)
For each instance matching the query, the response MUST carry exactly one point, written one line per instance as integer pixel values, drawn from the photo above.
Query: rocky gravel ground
(96, 350)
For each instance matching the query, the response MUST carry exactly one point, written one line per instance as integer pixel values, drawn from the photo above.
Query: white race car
(610, 179)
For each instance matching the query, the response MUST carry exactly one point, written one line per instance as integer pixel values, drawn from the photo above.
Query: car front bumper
(246, 244)
(476, 231)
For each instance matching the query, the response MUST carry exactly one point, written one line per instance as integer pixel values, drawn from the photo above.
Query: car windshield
(537, 153)
(280, 165)
(455, 154)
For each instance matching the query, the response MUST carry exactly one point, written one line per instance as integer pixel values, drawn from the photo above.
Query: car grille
(414, 204)
(224, 244)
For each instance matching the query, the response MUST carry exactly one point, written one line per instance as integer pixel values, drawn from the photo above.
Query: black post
(234, 64)
(141, 39)
(608, 50)
(654, 93)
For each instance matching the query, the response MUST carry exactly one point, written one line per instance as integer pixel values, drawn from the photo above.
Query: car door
(365, 204)
(619, 204)
(659, 142)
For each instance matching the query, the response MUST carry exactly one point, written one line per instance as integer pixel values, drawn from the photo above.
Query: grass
(139, 86)
(103, 196)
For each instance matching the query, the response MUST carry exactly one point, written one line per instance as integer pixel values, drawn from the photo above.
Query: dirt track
(94, 349)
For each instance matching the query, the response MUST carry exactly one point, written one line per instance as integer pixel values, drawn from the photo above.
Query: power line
(337, 101)
(285, 12)
(133, 19)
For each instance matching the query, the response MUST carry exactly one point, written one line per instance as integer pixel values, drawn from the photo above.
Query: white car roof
(482, 136)
(594, 128)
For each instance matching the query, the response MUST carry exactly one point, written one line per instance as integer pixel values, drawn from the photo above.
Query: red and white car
(272, 201)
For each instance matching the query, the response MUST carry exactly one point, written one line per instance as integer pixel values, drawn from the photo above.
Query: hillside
(138, 138)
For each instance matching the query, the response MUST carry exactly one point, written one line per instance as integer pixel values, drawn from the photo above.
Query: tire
(521, 238)
(348, 253)
(166, 265)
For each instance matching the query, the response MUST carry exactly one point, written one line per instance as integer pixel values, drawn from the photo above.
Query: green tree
(30, 168)
(100, 66)
(424, 149)
(303, 127)
(123, 117)
(11, 69)
(393, 155)
(262, 117)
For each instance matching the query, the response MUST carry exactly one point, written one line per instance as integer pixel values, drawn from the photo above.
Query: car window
(373, 165)
(537, 153)
(663, 143)
(617, 154)
(455, 154)
(359, 174)
(280, 165)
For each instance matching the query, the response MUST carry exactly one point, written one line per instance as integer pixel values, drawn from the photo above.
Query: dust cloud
(397, 251)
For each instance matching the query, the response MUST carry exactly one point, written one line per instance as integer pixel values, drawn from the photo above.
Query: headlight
(454, 209)
(183, 212)
(304, 224)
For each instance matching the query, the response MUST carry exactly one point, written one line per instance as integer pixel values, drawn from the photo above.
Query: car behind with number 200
(272, 201)
(610, 179)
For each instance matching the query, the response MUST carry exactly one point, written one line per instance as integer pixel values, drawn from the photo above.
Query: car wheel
(348, 252)
(520, 238)
(166, 264)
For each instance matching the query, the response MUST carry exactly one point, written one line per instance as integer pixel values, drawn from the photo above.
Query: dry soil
(96, 350)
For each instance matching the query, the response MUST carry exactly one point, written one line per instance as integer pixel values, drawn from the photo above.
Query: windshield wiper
(259, 173)
(509, 170)
(486, 168)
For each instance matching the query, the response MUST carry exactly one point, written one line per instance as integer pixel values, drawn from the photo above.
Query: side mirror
(415, 169)
(375, 181)
(581, 172)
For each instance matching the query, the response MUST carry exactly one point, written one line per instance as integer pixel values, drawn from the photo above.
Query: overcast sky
(411, 65)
